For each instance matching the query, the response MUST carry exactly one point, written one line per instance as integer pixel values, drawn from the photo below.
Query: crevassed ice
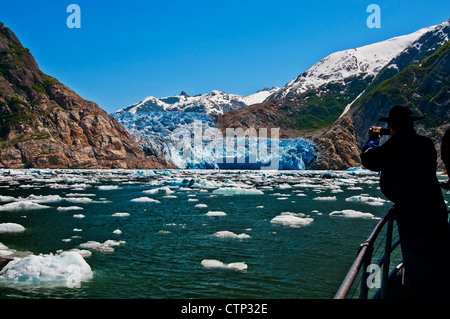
(192, 140)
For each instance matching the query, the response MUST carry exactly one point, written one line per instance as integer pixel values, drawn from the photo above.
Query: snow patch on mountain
(369, 60)
(214, 102)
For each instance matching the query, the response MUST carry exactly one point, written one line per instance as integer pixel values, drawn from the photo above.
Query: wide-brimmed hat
(400, 113)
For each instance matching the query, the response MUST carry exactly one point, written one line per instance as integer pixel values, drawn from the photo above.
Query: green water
(166, 242)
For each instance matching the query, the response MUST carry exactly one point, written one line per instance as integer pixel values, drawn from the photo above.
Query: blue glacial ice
(192, 141)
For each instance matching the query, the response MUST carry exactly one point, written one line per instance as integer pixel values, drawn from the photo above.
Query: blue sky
(127, 50)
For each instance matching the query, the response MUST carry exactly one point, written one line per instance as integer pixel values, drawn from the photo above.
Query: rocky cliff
(424, 86)
(337, 114)
(44, 124)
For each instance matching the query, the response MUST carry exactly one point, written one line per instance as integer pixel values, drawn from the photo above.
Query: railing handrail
(364, 254)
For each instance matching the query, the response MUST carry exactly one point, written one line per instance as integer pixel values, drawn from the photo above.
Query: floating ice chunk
(40, 199)
(83, 252)
(201, 206)
(120, 214)
(291, 219)
(78, 199)
(350, 213)
(78, 216)
(11, 228)
(284, 186)
(366, 199)
(108, 187)
(80, 195)
(237, 191)
(354, 188)
(161, 190)
(192, 200)
(229, 234)
(213, 263)
(215, 213)
(64, 269)
(145, 200)
(90, 244)
(330, 198)
(106, 247)
(238, 266)
(4, 199)
(69, 208)
(117, 232)
(22, 205)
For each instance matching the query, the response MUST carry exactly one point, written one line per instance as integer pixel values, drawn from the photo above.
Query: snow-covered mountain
(214, 102)
(338, 66)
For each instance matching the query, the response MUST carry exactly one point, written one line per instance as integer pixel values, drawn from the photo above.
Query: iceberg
(237, 191)
(229, 234)
(215, 213)
(22, 205)
(366, 199)
(145, 200)
(291, 219)
(349, 213)
(11, 228)
(68, 268)
(69, 208)
(213, 263)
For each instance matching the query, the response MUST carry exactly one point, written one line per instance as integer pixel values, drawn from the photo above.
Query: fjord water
(164, 238)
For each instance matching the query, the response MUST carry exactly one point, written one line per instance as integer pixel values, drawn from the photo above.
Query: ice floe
(329, 198)
(105, 247)
(61, 208)
(213, 263)
(121, 214)
(22, 205)
(11, 228)
(291, 219)
(229, 234)
(145, 200)
(215, 213)
(366, 199)
(67, 269)
(350, 213)
(237, 191)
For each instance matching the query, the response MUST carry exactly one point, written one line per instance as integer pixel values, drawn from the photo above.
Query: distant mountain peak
(338, 66)
(215, 102)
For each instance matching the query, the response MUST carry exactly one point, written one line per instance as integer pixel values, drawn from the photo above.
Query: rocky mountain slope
(44, 124)
(338, 99)
(424, 86)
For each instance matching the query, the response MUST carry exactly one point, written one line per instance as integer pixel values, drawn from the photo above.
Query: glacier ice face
(192, 141)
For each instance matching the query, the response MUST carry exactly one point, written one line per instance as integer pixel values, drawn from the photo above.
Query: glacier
(191, 140)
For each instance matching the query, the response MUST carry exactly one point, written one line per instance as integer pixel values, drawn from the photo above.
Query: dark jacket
(408, 163)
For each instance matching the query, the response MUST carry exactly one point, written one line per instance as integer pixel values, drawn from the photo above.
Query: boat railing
(370, 271)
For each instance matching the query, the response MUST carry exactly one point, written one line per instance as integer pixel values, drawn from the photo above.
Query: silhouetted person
(408, 164)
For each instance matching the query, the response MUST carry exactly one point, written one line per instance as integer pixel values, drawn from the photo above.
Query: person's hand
(374, 131)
